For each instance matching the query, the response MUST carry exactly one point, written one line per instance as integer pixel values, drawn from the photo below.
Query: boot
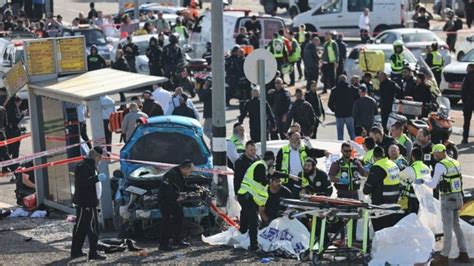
(440, 260)
(462, 258)
(96, 256)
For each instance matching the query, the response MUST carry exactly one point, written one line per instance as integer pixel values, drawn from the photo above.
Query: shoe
(464, 141)
(300, 77)
(462, 258)
(181, 243)
(440, 260)
(77, 255)
(166, 248)
(97, 256)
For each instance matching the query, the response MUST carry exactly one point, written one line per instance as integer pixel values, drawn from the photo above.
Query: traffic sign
(71, 55)
(39, 57)
(15, 79)
(251, 64)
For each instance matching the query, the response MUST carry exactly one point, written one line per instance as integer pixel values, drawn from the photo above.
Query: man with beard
(385, 141)
(235, 144)
(243, 163)
(314, 180)
(281, 101)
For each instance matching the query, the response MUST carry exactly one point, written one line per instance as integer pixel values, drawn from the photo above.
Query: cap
(362, 88)
(98, 149)
(269, 155)
(438, 148)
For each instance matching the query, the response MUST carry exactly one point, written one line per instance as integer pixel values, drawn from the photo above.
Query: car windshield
(419, 37)
(406, 54)
(167, 148)
(96, 37)
(469, 57)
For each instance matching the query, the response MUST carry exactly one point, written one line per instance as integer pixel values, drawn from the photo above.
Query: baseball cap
(438, 148)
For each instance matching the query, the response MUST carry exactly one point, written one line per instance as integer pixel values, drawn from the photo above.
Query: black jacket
(3, 118)
(302, 112)
(319, 183)
(173, 183)
(342, 46)
(205, 96)
(422, 94)
(184, 110)
(242, 39)
(409, 86)
(273, 205)
(121, 64)
(152, 108)
(310, 56)
(315, 101)
(234, 69)
(130, 55)
(467, 93)
(95, 62)
(155, 55)
(14, 115)
(374, 187)
(240, 168)
(252, 110)
(363, 111)
(389, 90)
(85, 178)
(388, 141)
(172, 57)
(342, 99)
(281, 102)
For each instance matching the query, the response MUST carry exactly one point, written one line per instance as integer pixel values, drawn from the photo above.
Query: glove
(419, 181)
(102, 177)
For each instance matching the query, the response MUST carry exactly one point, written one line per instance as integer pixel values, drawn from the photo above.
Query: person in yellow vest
(396, 131)
(417, 170)
(301, 38)
(291, 157)
(235, 144)
(294, 56)
(436, 62)
(397, 61)
(447, 176)
(278, 49)
(368, 158)
(346, 172)
(253, 196)
(330, 61)
(181, 30)
(383, 186)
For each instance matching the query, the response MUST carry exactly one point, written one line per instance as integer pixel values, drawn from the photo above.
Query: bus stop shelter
(54, 125)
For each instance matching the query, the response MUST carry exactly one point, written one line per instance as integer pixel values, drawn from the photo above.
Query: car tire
(379, 29)
(293, 12)
(270, 6)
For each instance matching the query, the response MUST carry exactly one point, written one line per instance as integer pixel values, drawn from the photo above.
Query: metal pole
(136, 10)
(219, 146)
(443, 6)
(263, 106)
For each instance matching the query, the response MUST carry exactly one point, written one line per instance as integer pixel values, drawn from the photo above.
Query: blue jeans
(349, 122)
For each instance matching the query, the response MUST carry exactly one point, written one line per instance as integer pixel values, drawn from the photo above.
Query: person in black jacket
(94, 60)
(86, 197)
(276, 192)
(389, 90)
(131, 51)
(4, 155)
(342, 46)
(311, 60)
(408, 82)
(385, 141)
(234, 69)
(170, 198)
(25, 183)
(155, 58)
(150, 106)
(172, 57)
(183, 109)
(243, 163)
(453, 24)
(341, 100)
(120, 62)
(422, 93)
(242, 38)
(280, 98)
(252, 110)
(302, 112)
(467, 95)
(205, 96)
(15, 115)
(314, 99)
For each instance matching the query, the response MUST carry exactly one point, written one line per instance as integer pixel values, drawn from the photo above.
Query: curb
(458, 131)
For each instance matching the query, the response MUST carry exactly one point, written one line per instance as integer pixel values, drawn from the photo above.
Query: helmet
(397, 43)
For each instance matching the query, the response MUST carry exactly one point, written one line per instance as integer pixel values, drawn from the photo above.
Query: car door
(386, 38)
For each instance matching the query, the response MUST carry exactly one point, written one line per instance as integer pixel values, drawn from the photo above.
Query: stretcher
(346, 210)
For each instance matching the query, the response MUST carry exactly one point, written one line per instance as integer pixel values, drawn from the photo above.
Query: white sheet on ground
(408, 237)
(430, 216)
(289, 235)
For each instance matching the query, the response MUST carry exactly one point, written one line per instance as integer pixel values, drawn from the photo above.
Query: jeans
(450, 206)
(349, 122)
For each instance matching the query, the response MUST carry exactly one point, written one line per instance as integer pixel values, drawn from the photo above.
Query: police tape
(55, 163)
(224, 217)
(15, 139)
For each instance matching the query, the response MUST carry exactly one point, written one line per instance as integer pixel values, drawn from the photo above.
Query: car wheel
(379, 29)
(270, 6)
(293, 12)
(453, 101)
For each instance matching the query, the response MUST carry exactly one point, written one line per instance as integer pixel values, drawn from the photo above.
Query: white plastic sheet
(289, 235)
(233, 207)
(406, 243)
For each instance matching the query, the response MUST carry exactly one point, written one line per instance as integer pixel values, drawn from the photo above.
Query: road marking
(468, 176)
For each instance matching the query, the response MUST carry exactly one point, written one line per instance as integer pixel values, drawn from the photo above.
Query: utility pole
(219, 146)
(136, 10)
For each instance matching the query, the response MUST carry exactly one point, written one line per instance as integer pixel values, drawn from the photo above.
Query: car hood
(456, 67)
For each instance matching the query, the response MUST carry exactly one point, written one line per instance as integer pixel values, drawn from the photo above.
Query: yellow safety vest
(258, 191)
(180, 30)
(368, 157)
(349, 169)
(278, 48)
(301, 36)
(437, 63)
(452, 181)
(422, 171)
(331, 52)
(402, 139)
(285, 162)
(391, 182)
(397, 64)
(238, 144)
(296, 55)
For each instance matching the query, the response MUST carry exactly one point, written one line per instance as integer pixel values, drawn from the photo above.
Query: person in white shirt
(162, 96)
(364, 26)
(108, 107)
(235, 144)
(81, 117)
(174, 102)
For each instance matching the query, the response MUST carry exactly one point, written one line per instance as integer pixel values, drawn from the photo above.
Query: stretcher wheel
(316, 259)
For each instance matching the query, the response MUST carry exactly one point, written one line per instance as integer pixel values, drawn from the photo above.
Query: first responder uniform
(397, 61)
(368, 159)
(408, 200)
(234, 155)
(294, 57)
(348, 173)
(436, 63)
(330, 58)
(278, 49)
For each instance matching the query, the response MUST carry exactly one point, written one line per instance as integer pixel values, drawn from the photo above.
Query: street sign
(39, 57)
(251, 62)
(15, 79)
(71, 55)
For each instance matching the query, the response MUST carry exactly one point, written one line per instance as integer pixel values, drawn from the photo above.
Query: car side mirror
(6, 63)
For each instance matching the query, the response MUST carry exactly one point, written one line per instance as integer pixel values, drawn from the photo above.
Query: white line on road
(468, 176)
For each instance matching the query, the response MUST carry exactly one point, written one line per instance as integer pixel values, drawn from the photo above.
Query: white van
(343, 16)
(233, 21)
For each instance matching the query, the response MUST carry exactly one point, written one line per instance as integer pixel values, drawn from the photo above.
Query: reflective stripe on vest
(331, 52)
(258, 191)
(422, 171)
(296, 55)
(285, 162)
(238, 144)
(437, 63)
(349, 169)
(453, 177)
(397, 64)
(278, 48)
(391, 182)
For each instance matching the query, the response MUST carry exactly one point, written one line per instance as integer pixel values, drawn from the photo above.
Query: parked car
(169, 12)
(343, 16)
(94, 36)
(167, 140)
(234, 19)
(416, 40)
(453, 76)
(352, 62)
